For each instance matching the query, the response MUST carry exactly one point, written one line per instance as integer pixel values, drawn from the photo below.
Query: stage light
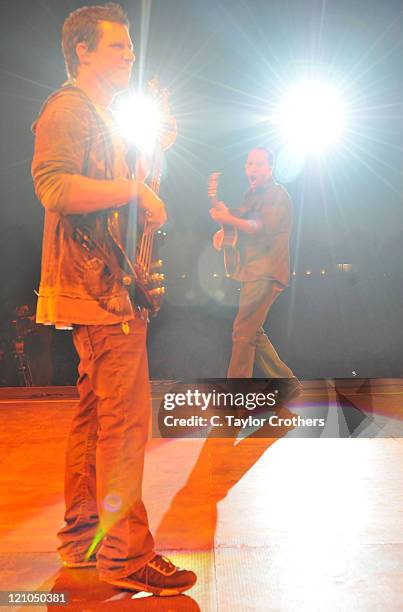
(139, 119)
(311, 118)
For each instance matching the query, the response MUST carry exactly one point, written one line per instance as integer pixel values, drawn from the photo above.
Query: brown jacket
(266, 254)
(76, 285)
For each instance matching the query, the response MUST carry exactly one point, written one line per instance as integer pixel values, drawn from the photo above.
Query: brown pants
(249, 341)
(105, 451)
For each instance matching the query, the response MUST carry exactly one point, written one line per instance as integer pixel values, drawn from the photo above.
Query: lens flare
(139, 119)
(311, 118)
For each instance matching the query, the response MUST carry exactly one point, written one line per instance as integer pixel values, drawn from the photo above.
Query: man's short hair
(82, 26)
(269, 154)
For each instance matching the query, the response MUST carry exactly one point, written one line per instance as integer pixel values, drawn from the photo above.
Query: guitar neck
(215, 202)
(155, 181)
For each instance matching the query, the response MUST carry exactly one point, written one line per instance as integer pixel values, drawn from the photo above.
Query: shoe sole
(137, 586)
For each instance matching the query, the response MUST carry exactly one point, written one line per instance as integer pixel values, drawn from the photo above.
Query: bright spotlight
(140, 121)
(312, 117)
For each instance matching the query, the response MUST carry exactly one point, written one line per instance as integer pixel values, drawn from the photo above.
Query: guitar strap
(82, 236)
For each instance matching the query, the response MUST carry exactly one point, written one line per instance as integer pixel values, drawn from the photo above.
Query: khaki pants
(249, 341)
(105, 451)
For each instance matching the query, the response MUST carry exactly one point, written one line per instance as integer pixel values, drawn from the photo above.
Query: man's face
(257, 168)
(112, 60)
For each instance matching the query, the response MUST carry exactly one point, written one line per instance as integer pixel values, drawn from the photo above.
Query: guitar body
(229, 246)
(143, 284)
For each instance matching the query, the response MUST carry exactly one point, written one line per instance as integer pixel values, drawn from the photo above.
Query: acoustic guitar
(230, 233)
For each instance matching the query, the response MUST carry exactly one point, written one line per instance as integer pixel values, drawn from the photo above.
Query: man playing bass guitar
(263, 225)
(82, 178)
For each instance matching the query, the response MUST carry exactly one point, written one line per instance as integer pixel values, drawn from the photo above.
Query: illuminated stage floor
(268, 525)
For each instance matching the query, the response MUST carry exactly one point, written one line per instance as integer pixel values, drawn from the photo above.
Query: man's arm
(274, 217)
(60, 145)
(223, 216)
(75, 194)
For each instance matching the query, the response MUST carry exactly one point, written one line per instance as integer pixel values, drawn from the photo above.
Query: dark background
(226, 64)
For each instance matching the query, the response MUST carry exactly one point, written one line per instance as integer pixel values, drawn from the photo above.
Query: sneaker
(159, 576)
(90, 562)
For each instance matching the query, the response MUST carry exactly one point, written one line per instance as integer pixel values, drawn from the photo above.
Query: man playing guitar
(83, 180)
(263, 224)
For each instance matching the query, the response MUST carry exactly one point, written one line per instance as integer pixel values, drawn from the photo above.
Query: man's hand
(217, 240)
(154, 208)
(221, 214)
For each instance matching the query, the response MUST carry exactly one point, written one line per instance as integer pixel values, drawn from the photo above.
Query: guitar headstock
(212, 184)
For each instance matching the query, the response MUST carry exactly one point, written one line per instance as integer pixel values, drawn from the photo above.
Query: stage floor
(268, 524)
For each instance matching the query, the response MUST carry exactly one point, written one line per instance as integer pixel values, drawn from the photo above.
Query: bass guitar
(142, 274)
